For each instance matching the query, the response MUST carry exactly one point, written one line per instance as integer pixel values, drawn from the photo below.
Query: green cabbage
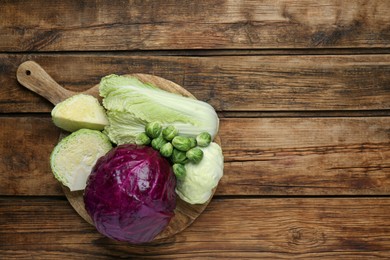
(73, 158)
(79, 111)
(131, 104)
(200, 179)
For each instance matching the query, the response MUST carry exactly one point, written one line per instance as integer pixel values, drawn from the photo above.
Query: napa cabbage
(131, 104)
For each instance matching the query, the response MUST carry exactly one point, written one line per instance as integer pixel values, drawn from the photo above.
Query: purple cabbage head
(130, 194)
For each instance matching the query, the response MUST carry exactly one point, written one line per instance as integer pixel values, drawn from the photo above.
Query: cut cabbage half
(79, 111)
(74, 157)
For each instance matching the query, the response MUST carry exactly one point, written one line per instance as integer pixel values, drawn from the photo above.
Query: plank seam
(215, 52)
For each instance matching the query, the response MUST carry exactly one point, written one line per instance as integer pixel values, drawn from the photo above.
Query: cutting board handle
(32, 76)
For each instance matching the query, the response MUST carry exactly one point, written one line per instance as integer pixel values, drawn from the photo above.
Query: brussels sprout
(194, 155)
(178, 156)
(142, 139)
(181, 143)
(179, 170)
(166, 150)
(203, 139)
(158, 142)
(153, 129)
(169, 132)
(193, 141)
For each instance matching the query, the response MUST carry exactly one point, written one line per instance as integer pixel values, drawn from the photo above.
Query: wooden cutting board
(32, 76)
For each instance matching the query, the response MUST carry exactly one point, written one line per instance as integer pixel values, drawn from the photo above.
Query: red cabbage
(130, 193)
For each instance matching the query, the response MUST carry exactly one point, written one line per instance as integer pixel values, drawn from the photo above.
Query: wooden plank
(273, 228)
(26, 144)
(133, 25)
(242, 83)
(263, 156)
(326, 156)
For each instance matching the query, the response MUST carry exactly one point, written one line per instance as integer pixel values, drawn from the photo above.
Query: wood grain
(272, 228)
(242, 83)
(33, 77)
(272, 156)
(302, 89)
(148, 25)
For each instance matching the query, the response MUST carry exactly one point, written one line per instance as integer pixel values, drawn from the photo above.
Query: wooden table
(303, 92)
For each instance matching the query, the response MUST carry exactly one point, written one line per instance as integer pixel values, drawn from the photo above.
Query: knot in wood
(301, 237)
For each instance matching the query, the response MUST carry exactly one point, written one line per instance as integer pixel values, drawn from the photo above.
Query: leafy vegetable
(192, 141)
(203, 139)
(153, 129)
(178, 156)
(131, 104)
(79, 111)
(181, 143)
(166, 150)
(74, 156)
(194, 155)
(196, 187)
(179, 170)
(130, 194)
(169, 132)
(158, 142)
(142, 139)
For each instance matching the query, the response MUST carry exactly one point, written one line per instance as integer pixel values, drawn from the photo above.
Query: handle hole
(28, 72)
